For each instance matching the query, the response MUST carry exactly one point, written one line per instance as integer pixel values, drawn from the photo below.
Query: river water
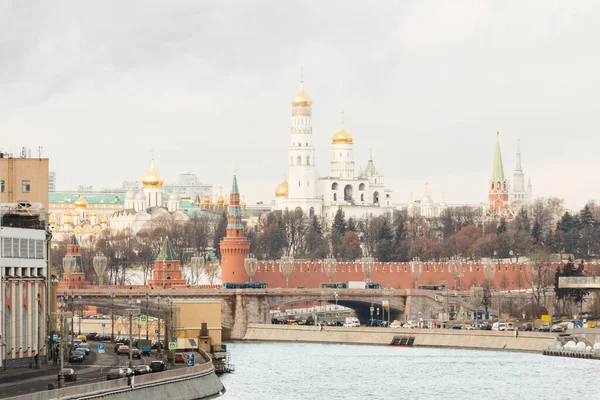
(328, 371)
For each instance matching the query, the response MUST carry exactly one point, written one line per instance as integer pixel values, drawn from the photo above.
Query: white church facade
(358, 195)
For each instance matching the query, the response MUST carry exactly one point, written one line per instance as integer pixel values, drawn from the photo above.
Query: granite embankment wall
(190, 383)
(526, 341)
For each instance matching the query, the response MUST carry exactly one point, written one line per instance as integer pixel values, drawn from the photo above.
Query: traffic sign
(143, 318)
(546, 318)
(104, 324)
(172, 345)
(372, 309)
(377, 310)
(156, 331)
(139, 327)
(100, 347)
(385, 304)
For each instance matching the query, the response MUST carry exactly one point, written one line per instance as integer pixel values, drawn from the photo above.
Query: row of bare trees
(126, 250)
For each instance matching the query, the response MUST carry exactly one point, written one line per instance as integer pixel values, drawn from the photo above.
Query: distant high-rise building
(189, 186)
(52, 181)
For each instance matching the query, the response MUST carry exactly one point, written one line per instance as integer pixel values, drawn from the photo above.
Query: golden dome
(104, 221)
(282, 189)
(93, 214)
(52, 222)
(152, 179)
(67, 222)
(80, 202)
(221, 199)
(341, 137)
(206, 200)
(67, 213)
(301, 99)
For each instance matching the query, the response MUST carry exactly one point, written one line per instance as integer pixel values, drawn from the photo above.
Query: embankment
(526, 341)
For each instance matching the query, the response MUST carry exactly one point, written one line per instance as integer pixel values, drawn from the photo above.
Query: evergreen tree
(315, 242)
(536, 233)
(352, 226)
(385, 243)
(502, 226)
(339, 222)
(220, 233)
(569, 270)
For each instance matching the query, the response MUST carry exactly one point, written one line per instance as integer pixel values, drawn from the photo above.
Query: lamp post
(68, 266)
(287, 267)
(112, 317)
(251, 265)
(158, 349)
(147, 317)
(367, 264)
(79, 298)
(100, 262)
(72, 320)
(329, 267)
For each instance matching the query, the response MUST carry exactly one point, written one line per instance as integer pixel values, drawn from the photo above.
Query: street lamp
(147, 317)
(287, 266)
(329, 265)
(79, 298)
(367, 264)
(68, 266)
(100, 262)
(251, 265)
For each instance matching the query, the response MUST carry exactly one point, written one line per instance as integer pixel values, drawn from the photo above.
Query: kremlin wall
(397, 275)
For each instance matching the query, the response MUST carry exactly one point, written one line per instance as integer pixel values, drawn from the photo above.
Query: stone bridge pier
(254, 306)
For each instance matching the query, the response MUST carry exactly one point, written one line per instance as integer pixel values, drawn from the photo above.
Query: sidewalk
(25, 372)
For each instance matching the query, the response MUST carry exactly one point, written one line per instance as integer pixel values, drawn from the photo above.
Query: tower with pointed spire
(498, 189)
(75, 278)
(519, 195)
(167, 268)
(234, 246)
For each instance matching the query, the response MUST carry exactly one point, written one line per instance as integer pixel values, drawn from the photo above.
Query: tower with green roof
(498, 189)
(167, 268)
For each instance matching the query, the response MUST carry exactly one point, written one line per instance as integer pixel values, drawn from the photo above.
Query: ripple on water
(331, 371)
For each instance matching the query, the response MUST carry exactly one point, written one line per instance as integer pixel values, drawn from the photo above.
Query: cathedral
(359, 194)
(150, 203)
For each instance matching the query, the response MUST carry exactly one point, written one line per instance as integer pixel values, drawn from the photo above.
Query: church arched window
(307, 160)
(335, 197)
(299, 160)
(362, 197)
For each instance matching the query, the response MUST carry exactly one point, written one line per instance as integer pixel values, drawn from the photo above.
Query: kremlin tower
(498, 189)
(234, 247)
(167, 268)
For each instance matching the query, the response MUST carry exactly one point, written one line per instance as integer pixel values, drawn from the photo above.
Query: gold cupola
(67, 213)
(103, 220)
(342, 137)
(152, 179)
(282, 189)
(80, 202)
(301, 99)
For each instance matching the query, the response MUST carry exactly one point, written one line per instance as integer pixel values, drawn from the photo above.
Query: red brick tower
(498, 189)
(234, 247)
(76, 277)
(167, 268)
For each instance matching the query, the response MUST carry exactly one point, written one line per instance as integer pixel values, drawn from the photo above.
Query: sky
(206, 87)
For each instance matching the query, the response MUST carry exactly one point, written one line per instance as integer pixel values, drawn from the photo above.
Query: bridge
(243, 306)
(586, 283)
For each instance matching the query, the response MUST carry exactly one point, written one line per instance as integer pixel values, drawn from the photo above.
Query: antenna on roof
(40, 149)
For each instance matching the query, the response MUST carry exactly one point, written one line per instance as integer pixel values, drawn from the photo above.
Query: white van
(498, 326)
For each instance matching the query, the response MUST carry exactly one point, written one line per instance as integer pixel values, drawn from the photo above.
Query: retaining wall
(526, 341)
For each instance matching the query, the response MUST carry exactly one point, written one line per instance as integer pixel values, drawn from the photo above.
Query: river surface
(329, 371)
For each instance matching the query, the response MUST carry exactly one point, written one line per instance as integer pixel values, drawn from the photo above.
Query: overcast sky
(206, 87)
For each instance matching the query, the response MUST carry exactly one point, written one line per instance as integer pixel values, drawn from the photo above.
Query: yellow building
(198, 324)
(23, 179)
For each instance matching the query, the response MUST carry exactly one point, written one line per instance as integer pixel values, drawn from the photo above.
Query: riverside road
(20, 381)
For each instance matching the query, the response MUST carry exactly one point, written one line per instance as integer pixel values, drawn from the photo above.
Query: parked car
(123, 349)
(68, 373)
(135, 353)
(556, 328)
(179, 358)
(128, 372)
(91, 336)
(75, 356)
(141, 369)
(526, 327)
(116, 373)
(83, 338)
(158, 366)
(544, 328)
(457, 326)
(80, 351)
(85, 347)
(117, 345)
(486, 326)
(395, 325)
(469, 327)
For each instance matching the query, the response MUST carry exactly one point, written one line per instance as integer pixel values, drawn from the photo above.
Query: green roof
(166, 253)
(498, 169)
(91, 198)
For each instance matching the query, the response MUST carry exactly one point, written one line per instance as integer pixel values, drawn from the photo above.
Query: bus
(333, 285)
(432, 287)
(372, 285)
(245, 285)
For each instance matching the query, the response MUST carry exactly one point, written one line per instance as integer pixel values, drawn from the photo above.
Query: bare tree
(539, 277)
(211, 269)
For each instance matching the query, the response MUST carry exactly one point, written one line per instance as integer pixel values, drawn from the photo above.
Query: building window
(307, 160)
(299, 161)
(7, 247)
(26, 186)
(335, 197)
(299, 184)
(1, 186)
(23, 248)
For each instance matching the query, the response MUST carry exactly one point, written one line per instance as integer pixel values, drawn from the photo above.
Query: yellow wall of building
(13, 171)
(191, 315)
